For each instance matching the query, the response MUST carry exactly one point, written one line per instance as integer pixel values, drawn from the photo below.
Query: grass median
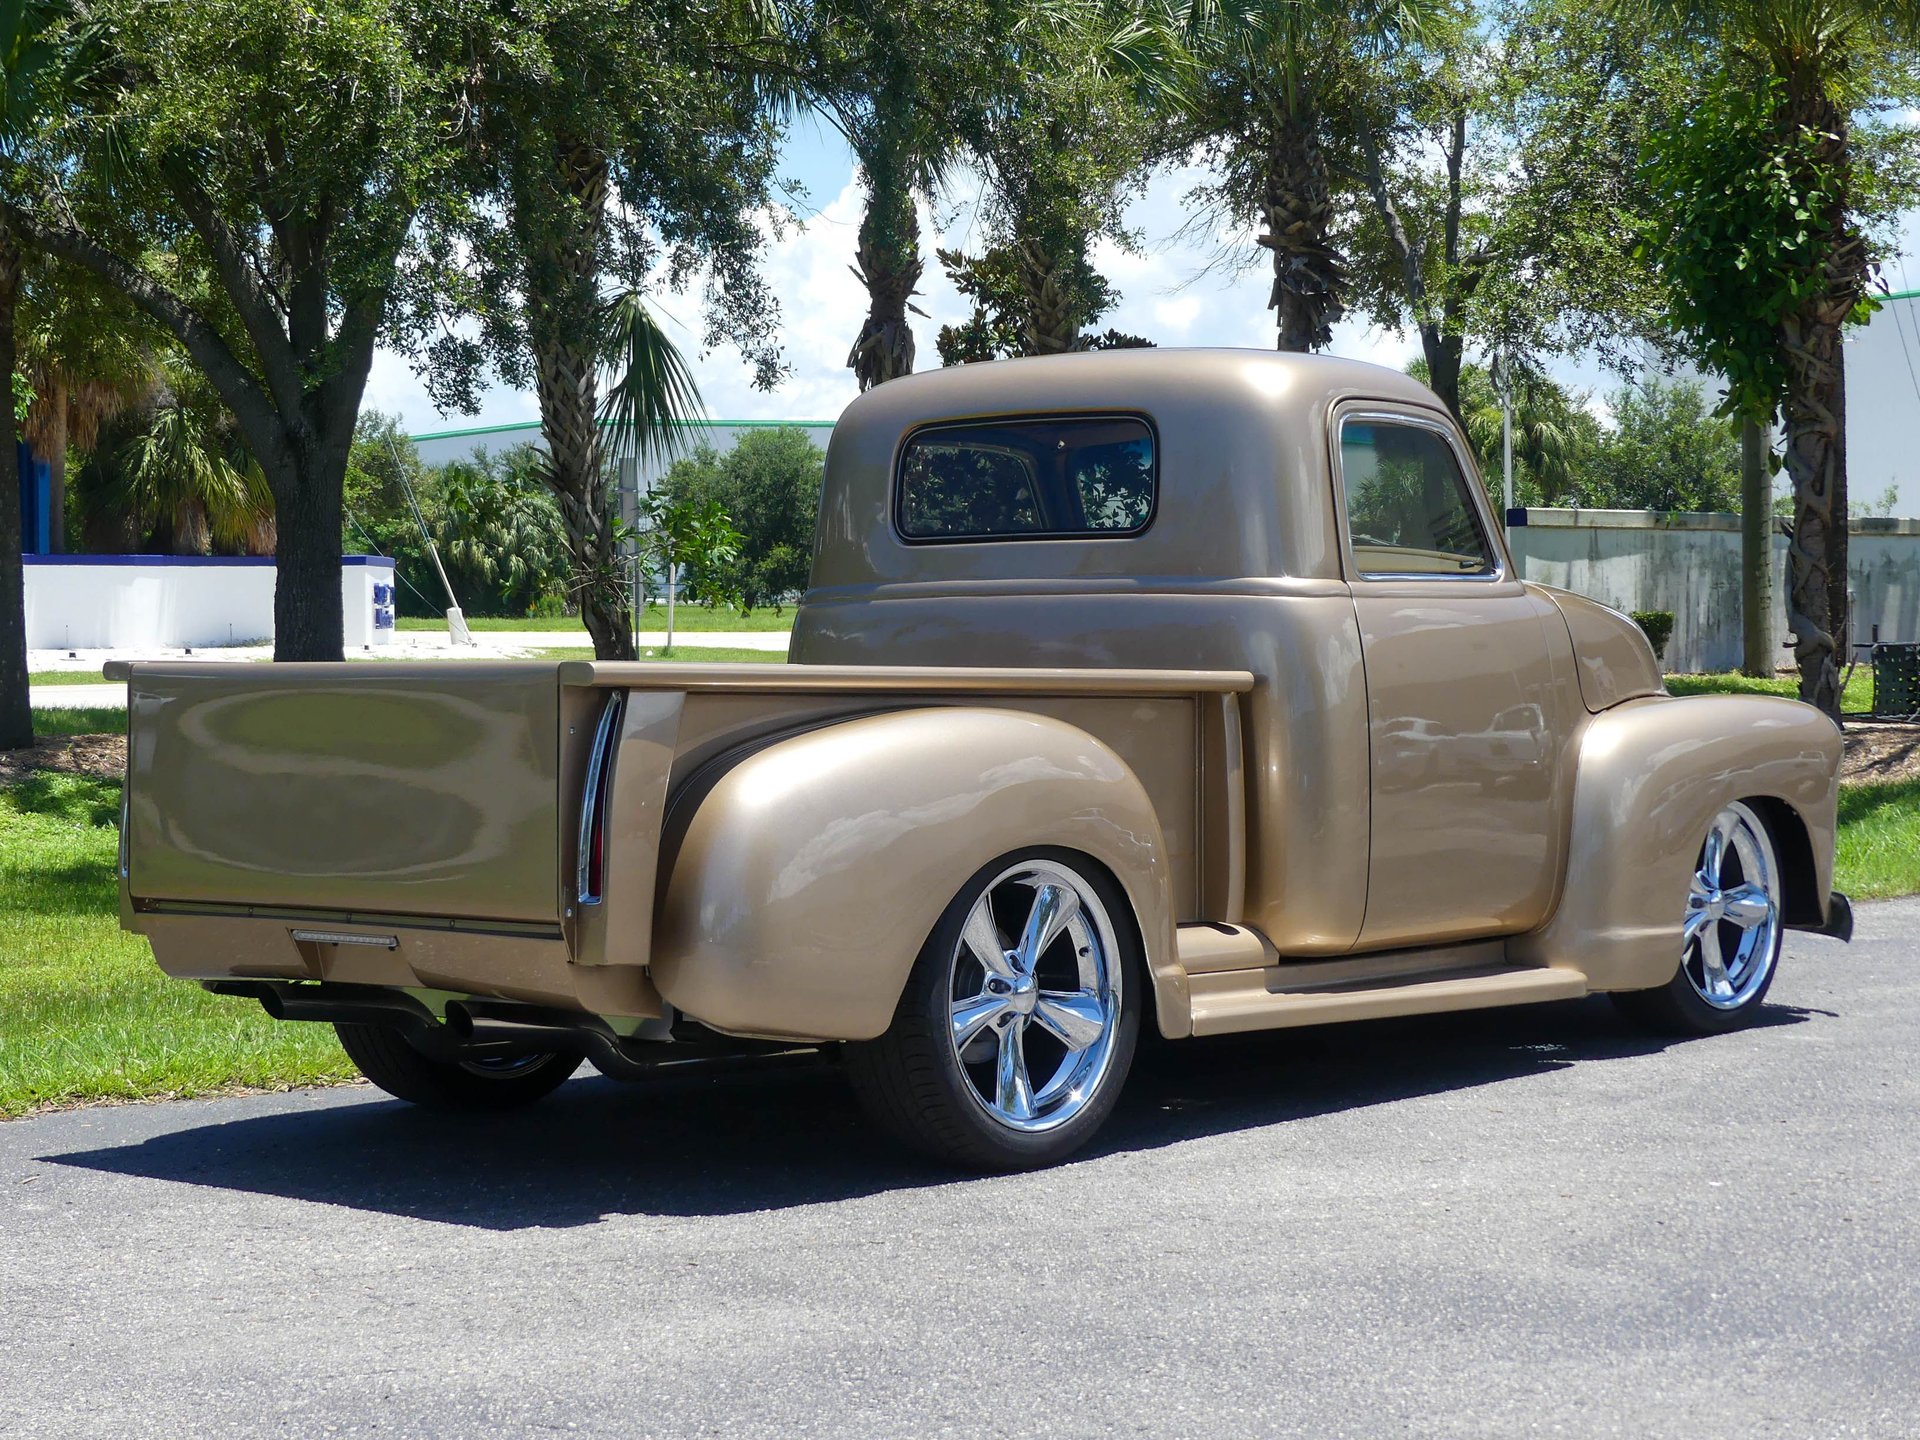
(85, 1015)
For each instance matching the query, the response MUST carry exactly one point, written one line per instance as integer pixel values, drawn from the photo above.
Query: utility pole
(1506, 449)
(457, 630)
(1756, 548)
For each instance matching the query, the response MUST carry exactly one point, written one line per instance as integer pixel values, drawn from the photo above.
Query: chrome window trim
(1476, 498)
(599, 767)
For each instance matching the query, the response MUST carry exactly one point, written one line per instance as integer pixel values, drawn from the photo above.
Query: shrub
(1658, 625)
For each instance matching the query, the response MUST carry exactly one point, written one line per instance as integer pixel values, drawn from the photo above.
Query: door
(1465, 692)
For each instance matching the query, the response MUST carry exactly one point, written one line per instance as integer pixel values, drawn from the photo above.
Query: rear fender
(1652, 775)
(813, 869)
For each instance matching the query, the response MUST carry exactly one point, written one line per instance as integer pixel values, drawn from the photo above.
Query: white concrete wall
(157, 602)
(1690, 565)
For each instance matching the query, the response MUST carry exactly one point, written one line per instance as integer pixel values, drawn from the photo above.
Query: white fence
(161, 602)
(1690, 565)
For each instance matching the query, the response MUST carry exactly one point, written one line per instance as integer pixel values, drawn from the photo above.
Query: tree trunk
(1756, 550)
(889, 265)
(308, 623)
(1445, 355)
(16, 708)
(1814, 422)
(1309, 275)
(1817, 558)
(563, 321)
(1053, 327)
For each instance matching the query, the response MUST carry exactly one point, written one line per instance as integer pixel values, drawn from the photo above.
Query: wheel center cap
(1025, 995)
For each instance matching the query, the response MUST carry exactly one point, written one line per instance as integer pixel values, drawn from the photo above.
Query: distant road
(1518, 1223)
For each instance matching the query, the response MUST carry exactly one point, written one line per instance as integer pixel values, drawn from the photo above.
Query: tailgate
(412, 789)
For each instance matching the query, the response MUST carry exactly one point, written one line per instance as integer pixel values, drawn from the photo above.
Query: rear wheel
(494, 1082)
(1018, 1022)
(1731, 935)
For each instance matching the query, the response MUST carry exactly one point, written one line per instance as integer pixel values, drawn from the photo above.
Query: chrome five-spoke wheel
(1017, 1024)
(1035, 996)
(1730, 933)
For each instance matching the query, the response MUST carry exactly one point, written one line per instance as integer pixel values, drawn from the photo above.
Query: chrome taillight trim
(593, 797)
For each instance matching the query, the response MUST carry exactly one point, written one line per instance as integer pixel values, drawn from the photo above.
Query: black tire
(1678, 1007)
(389, 1060)
(912, 1082)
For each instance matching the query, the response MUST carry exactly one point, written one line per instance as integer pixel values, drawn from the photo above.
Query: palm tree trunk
(1309, 275)
(1053, 327)
(1756, 549)
(1814, 422)
(563, 321)
(889, 265)
(16, 709)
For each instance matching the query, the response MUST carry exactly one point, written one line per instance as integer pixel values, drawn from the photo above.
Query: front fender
(813, 870)
(1652, 775)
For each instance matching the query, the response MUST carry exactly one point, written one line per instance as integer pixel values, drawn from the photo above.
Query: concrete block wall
(162, 602)
(1690, 565)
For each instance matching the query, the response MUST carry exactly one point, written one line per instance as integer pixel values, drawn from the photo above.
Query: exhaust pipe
(478, 1029)
(351, 1004)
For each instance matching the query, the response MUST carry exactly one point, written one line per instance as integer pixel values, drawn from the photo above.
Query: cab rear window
(1079, 476)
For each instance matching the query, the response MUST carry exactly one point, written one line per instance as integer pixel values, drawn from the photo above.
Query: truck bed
(408, 796)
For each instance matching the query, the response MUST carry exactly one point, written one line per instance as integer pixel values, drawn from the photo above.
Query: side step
(1230, 1001)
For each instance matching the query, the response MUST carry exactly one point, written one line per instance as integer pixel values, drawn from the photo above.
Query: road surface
(1521, 1223)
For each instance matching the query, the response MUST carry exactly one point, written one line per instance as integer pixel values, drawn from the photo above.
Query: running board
(1226, 1002)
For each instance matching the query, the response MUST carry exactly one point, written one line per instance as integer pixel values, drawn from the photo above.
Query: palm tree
(651, 394)
(1059, 124)
(619, 148)
(1274, 82)
(1821, 61)
(883, 75)
(89, 355)
(175, 482)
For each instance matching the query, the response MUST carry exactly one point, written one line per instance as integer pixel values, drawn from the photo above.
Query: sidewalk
(407, 645)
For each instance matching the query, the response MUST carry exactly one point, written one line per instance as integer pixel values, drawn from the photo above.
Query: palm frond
(651, 391)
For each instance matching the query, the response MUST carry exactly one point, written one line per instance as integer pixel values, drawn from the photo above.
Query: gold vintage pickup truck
(1184, 689)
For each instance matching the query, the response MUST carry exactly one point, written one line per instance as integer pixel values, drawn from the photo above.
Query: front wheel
(1018, 1021)
(389, 1060)
(1730, 939)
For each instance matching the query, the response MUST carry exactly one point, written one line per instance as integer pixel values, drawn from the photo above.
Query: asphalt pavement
(1533, 1222)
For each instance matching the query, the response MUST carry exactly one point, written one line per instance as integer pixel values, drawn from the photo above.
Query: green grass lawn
(84, 1012)
(685, 617)
(81, 720)
(65, 677)
(1879, 851)
(1856, 699)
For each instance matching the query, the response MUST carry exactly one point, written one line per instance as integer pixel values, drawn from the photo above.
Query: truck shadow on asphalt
(789, 1134)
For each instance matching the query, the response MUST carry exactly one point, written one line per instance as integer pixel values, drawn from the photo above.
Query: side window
(1408, 508)
(1027, 479)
